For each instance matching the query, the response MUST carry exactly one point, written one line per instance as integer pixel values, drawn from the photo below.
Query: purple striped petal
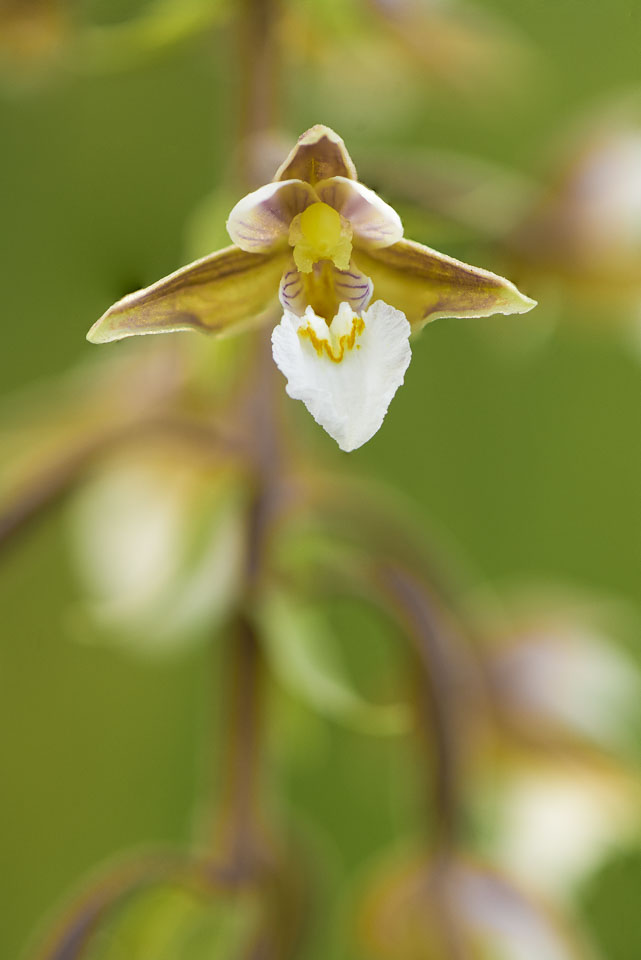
(324, 289)
(259, 223)
(374, 222)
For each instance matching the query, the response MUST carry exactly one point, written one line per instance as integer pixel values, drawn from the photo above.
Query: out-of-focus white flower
(459, 907)
(557, 823)
(584, 232)
(568, 705)
(160, 546)
(557, 681)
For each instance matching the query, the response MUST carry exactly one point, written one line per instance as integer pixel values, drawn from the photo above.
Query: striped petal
(324, 289)
(215, 294)
(292, 291)
(259, 223)
(319, 153)
(346, 373)
(374, 223)
(425, 284)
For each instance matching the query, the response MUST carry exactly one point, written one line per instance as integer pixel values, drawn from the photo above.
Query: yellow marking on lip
(323, 346)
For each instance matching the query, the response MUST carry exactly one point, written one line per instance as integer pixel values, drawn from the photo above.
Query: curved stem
(437, 696)
(40, 493)
(438, 714)
(72, 934)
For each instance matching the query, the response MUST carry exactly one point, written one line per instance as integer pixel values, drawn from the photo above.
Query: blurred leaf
(610, 907)
(483, 198)
(207, 227)
(305, 657)
(160, 25)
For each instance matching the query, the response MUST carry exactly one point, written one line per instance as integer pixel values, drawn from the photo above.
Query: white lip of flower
(317, 229)
(347, 372)
(345, 362)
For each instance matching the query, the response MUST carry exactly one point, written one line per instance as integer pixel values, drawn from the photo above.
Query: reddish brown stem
(44, 491)
(259, 81)
(238, 830)
(438, 694)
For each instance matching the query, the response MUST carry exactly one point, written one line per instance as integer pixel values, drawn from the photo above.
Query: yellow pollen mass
(319, 233)
(320, 225)
(334, 351)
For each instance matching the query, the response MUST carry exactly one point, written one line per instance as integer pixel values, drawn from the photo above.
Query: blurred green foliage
(530, 461)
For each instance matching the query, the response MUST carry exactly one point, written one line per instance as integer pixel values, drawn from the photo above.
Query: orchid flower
(322, 243)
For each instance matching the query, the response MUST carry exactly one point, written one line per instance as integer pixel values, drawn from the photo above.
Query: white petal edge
(348, 399)
(259, 223)
(374, 222)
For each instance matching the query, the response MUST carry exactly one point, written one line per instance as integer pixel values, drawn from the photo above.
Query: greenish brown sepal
(426, 285)
(214, 294)
(318, 155)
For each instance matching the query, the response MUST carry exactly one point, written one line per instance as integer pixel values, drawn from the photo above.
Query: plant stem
(39, 493)
(243, 845)
(439, 721)
(259, 80)
(238, 824)
(437, 696)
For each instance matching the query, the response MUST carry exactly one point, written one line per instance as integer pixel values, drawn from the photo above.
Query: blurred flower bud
(558, 684)
(585, 231)
(455, 908)
(182, 912)
(567, 704)
(159, 540)
(173, 919)
(553, 826)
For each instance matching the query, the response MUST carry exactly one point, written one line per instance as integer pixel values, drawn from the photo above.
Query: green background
(530, 460)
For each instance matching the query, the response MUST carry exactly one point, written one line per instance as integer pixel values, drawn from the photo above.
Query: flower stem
(244, 839)
(438, 696)
(238, 830)
(438, 703)
(259, 81)
(237, 827)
